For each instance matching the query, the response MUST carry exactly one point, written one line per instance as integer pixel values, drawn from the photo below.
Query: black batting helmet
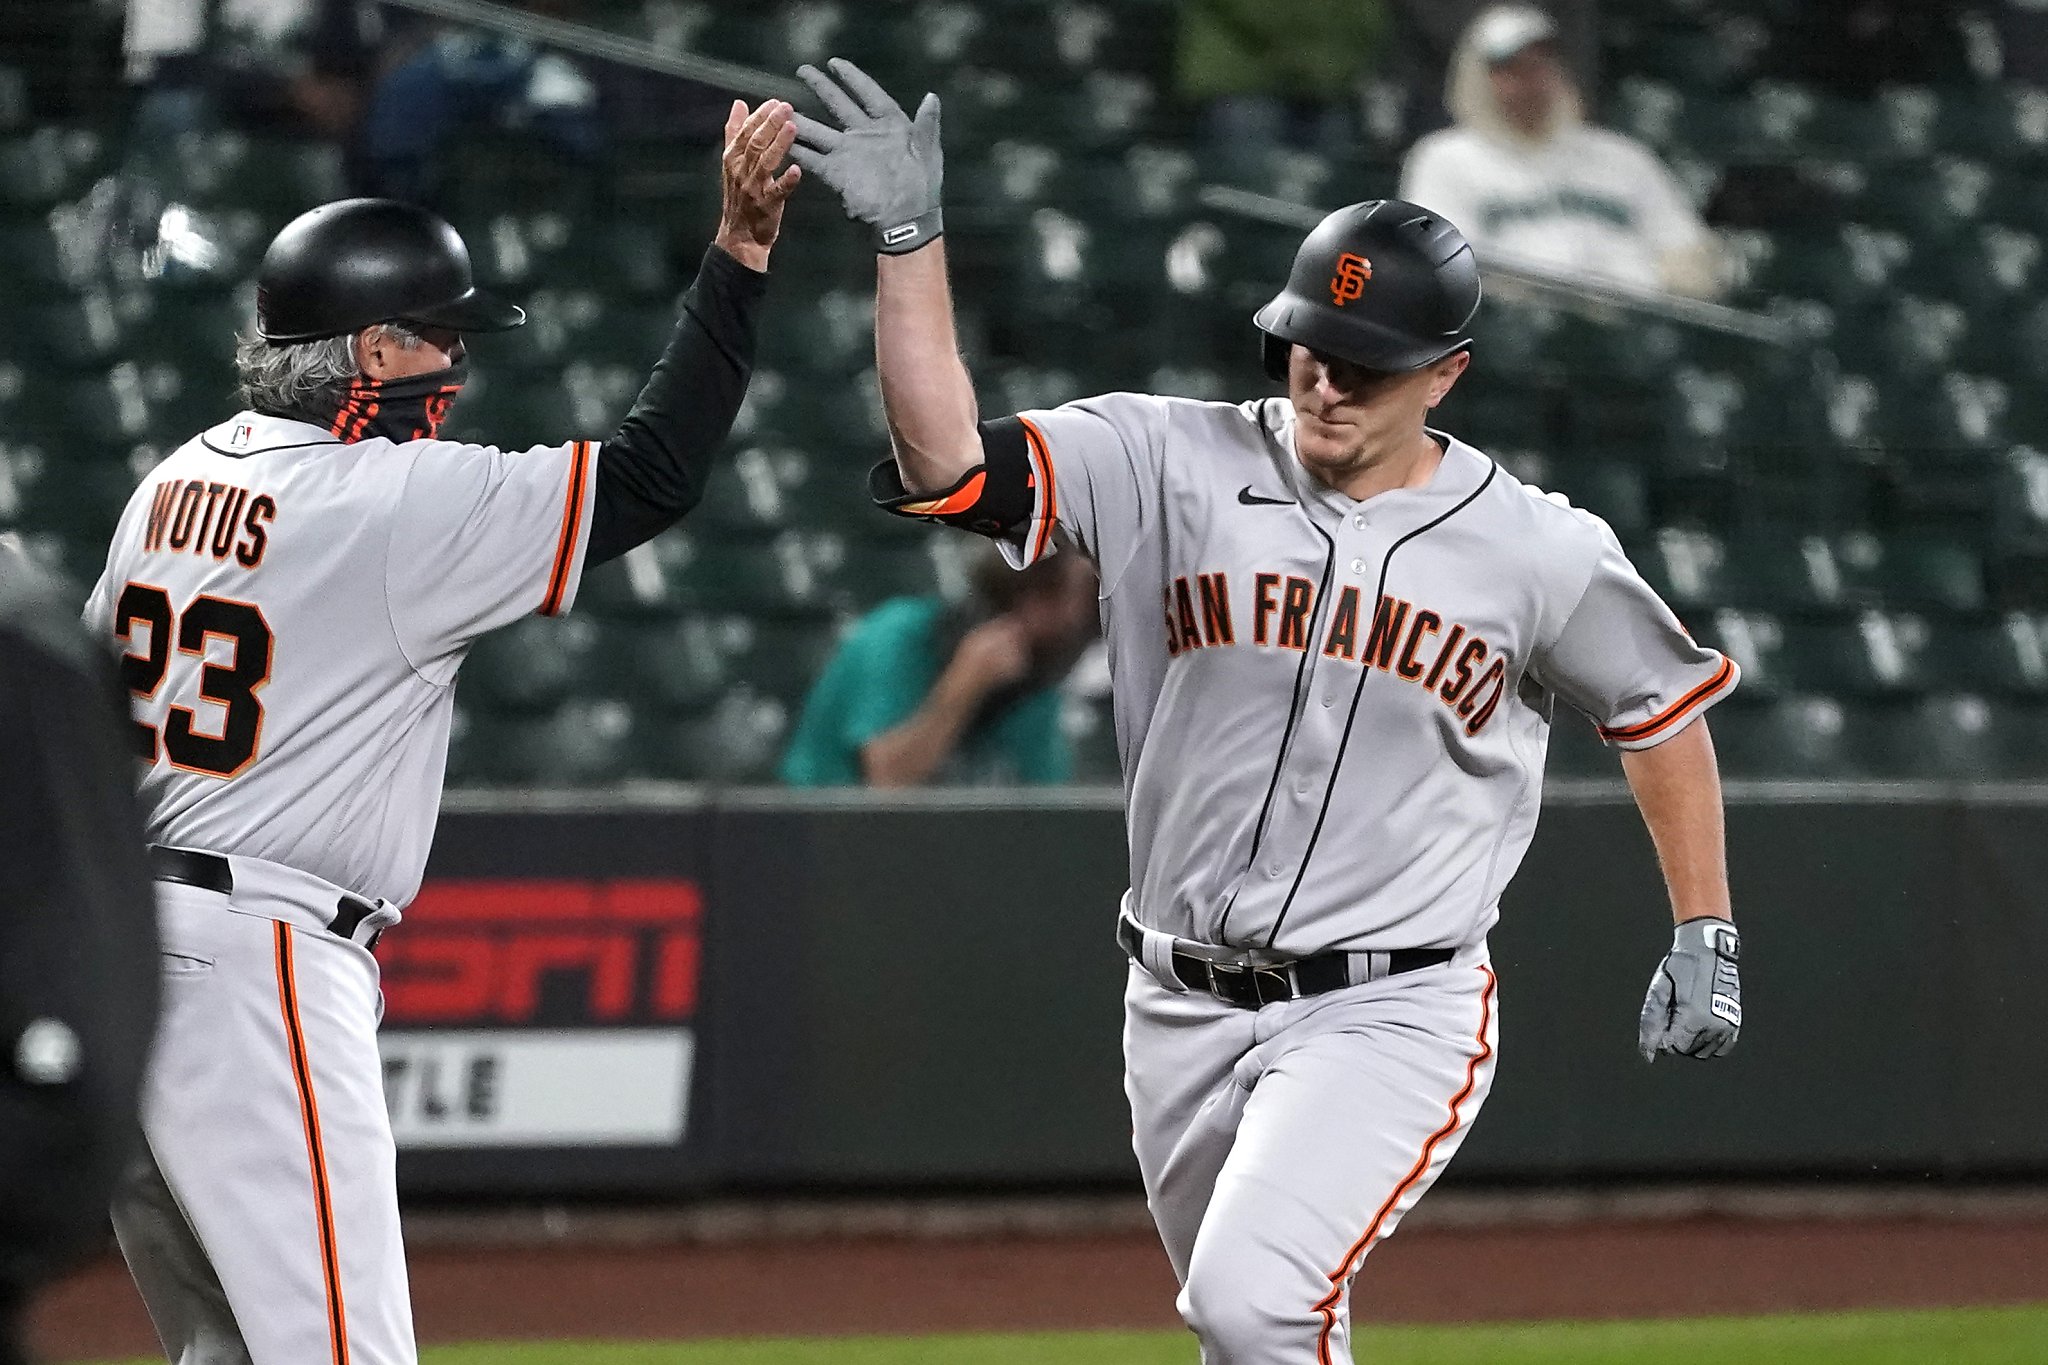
(358, 262)
(1385, 284)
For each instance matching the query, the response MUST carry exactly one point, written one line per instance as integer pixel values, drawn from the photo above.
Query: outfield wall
(681, 992)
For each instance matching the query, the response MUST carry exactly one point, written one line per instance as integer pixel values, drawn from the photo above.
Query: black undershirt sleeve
(653, 470)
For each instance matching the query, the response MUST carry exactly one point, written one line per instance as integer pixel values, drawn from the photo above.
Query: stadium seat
(37, 269)
(586, 742)
(2004, 657)
(1755, 640)
(84, 333)
(47, 167)
(1913, 571)
(1782, 568)
(1615, 491)
(1687, 567)
(783, 577)
(530, 668)
(1878, 654)
(1809, 737)
(683, 667)
(1576, 749)
(739, 740)
(781, 661)
(1959, 737)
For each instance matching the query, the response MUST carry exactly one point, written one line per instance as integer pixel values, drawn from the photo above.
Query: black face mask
(410, 409)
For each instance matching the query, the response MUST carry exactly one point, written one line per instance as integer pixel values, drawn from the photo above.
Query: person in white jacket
(1530, 181)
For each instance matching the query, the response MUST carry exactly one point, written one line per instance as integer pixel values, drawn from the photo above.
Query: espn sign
(542, 1012)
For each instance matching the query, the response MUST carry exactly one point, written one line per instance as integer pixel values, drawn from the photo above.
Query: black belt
(211, 872)
(1249, 985)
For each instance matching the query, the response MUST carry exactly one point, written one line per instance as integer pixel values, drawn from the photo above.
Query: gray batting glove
(1695, 1002)
(883, 164)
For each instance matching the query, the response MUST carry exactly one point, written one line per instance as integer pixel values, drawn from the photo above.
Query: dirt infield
(1450, 1270)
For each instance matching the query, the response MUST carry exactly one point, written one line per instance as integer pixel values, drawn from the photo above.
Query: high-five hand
(884, 165)
(755, 145)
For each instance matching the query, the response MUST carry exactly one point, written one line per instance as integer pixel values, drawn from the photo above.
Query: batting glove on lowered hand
(1695, 1002)
(883, 164)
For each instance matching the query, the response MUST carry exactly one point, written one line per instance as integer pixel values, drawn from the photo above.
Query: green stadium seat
(531, 667)
(2005, 657)
(1934, 204)
(37, 270)
(194, 330)
(583, 743)
(1613, 490)
(48, 167)
(1148, 182)
(1920, 571)
(1090, 726)
(1696, 56)
(1993, 267)
(1905, 336)
(514, 253)
(1959, 737)
(1877, 655)
(516, 411)
(1784, 569)
(786, 577)
(1996, 122)
(278, 178)
(1755, 640)
(1688, 568)
(748, 495)
(1576, 749)
(781, 661)
(1844, 266)
(85, 333)
(681, 668)
(739, 740)
(1796, 737)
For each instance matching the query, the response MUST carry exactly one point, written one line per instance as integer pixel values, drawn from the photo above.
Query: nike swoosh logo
(1251, 499)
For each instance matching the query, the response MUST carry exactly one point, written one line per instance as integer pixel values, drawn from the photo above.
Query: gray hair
(289, 378)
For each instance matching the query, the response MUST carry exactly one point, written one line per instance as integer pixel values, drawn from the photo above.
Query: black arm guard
(654, 469)
(995, 498)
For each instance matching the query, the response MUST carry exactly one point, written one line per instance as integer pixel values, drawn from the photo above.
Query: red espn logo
(479, 952)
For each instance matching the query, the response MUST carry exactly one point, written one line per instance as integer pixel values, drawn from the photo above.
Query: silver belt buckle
(1229, 970)
(1282, 974)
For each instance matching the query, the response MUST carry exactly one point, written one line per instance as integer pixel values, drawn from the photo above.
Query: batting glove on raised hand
(884, 165)
(1695, 1002)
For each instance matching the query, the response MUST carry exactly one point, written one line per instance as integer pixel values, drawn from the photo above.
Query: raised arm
(887, 170)
(926, 393)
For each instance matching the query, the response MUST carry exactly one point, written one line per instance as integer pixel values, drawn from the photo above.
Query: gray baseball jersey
(293, 611)
(1333, 714)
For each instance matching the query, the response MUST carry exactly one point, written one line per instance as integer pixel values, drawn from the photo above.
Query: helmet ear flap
(1275, 350)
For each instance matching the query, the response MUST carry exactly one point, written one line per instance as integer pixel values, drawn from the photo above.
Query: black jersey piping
(1296, 705)
(1379, 591)
(245, 454)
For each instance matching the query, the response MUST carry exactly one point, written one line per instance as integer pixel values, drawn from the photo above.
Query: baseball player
(293, 591)
(1338, 639)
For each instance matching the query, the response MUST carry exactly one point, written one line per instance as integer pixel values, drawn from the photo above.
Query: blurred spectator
(1528, 180)
(78, 945)
(434, 80)
(291, 65)
(919, 692)
(1269, 72)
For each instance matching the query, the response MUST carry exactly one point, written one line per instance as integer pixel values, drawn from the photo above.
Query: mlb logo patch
(244, 434)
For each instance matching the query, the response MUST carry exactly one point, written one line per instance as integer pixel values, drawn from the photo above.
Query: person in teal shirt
(919, 692)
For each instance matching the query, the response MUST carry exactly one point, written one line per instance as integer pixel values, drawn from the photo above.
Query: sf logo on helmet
(1353, 270)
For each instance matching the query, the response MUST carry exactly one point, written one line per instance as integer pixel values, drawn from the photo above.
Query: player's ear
(373, 352)
(1445, 375)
